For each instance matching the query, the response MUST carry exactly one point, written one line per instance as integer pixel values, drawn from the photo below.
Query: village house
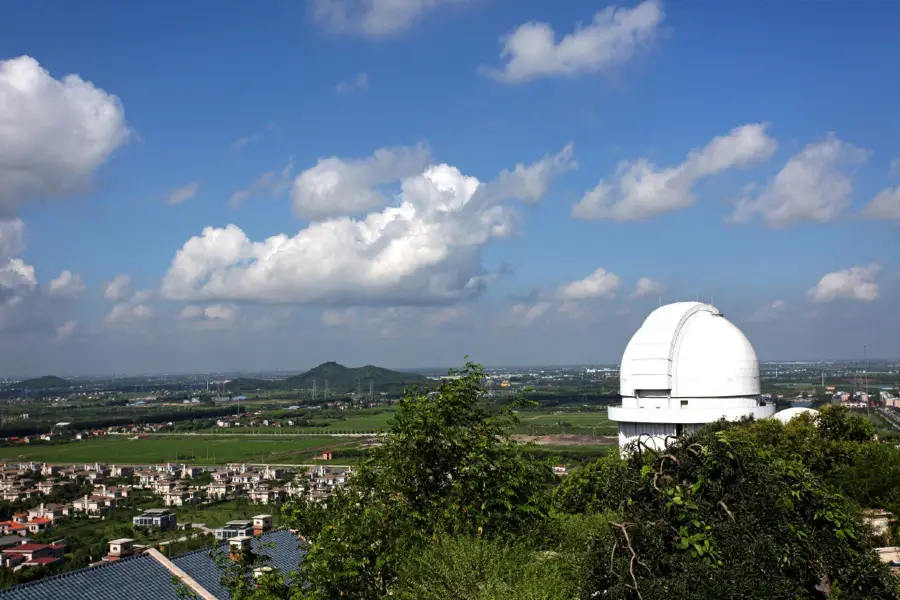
(46, 511)
(156, 518)
(32, 555)
(180, 497)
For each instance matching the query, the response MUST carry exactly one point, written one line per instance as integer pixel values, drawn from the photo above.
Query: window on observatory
(684, 403)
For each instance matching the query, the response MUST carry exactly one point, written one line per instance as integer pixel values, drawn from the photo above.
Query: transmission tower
(358, 389)
(315, 391)
(371, 391)
(326, 389)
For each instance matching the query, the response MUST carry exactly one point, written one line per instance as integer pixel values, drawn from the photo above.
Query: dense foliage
(449, 507)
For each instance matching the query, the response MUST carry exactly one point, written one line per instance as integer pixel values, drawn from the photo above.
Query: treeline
(27, 427)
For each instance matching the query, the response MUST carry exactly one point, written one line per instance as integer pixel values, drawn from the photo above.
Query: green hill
(43, 383)
(340, 380)
(343, 379)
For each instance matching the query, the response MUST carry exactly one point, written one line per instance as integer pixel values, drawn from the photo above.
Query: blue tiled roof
(134, 578)
(281, 548)
(142, 577)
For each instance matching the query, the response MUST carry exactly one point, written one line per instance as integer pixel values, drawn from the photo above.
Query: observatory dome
(787, 414)
(691, 350)
(687, 365)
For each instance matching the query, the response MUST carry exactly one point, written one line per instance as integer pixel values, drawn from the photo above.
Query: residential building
(233, 529)
(158, 518)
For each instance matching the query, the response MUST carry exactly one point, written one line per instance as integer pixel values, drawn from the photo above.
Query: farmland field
(596, 423)
(191, 449)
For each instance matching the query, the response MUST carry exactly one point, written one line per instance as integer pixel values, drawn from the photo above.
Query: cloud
(272, 182)
(769, 312)
(66, 285)
(55, 133)
(65, 330)
(360, 82)
(226, 313)
(239, 143)
(641, 190)
(612, 39)
(599, 284)
(424, 249)
(813, 186)
(126, 312)
(12, 238)
(526, 314)
(372, 18)
(337, 186)
(185, 192)
(117, 290)
(855, 283)
(647, 287)
(17, 278)
(884, 207)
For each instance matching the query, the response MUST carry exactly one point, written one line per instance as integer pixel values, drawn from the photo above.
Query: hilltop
(340, 379)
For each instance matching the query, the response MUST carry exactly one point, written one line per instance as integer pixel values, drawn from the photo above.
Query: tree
(714, 517)
(446, 467)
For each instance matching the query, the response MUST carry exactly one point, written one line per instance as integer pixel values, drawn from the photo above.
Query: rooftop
(142, 576)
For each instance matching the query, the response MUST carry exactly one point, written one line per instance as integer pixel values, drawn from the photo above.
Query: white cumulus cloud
(56, 132)
(185, 192)
(885, 206)
(855, 283)
(126, 312)
(423, 249)
(599, 284)
(615, 36)
(67, 284)
(117, 290)
(647, 287)
(336, 186)
(372, 18)
(642, 190)
(813, 186)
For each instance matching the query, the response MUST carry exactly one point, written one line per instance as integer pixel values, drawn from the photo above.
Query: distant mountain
(338, 378)
(343, 379)
(43, 383)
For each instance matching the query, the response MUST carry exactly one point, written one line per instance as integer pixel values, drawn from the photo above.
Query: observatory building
(686, 366)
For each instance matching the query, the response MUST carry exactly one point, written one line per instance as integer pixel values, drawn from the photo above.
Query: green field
(193, 449)
(594, 423)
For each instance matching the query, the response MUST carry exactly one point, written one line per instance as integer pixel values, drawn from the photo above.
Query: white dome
(689, 350)
(686, 366)
(787, 414)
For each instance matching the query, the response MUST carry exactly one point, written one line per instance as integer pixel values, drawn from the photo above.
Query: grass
(594, 422)
(192, 449)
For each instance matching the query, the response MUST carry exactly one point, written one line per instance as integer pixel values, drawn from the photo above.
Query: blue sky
(739, 151)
